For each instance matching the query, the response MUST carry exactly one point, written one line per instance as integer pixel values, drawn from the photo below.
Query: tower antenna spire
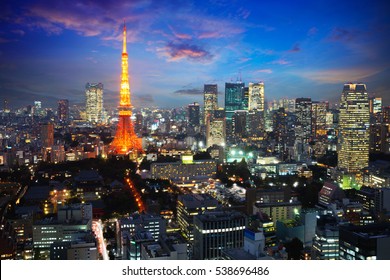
(124, 37)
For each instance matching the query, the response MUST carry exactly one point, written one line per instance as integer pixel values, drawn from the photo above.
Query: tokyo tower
(125, 141)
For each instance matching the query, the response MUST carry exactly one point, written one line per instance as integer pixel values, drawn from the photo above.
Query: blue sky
(50, 49)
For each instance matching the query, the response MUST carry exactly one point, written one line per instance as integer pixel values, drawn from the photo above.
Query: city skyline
(49, 52)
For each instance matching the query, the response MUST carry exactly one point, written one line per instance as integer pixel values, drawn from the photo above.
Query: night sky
(50, 49)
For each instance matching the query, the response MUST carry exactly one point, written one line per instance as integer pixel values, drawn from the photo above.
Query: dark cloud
(189, 91)
(143, 100)
(341, 34)
(295, 48)
(312, 31)
(179, 51)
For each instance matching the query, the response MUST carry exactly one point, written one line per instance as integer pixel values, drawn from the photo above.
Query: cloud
(341, 34)
(87, 18)
(176, 52)
(190, 91)
(143, 100)
(268, 71)
(179, 35)
(5, 40)
(281, 61)
(19, 32)
(338, 76)
(295, 48)
(245, 59)
(211, 34)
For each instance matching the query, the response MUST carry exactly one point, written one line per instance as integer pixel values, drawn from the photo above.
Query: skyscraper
(375, 110)
(256, 96)
(256, 121)
(210, 99)
(304, 119)
(63, 111)
(218, 231)
(354, 121)
(319, 110)
(194, 114)
(125, 140)
(234, 100)
(47, 135)
(38, 108)
(94, 102)
(216, 129)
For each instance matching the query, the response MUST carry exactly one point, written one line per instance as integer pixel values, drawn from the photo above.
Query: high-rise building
(386, 114)
(47, 135)
(125, 140)
(38, 108)
(304, 119)
(379, 137)
(63, 111)
(216, 129)
(319, 110)
(190, 205)
(354, 121)
(215, 232)
(94, 102)
(234, 100)
(279, 125)
(256, 96)
(369, 242)
(239, 122)
(255, 119)
(194, 114)
(210, 100)
(375, 110)
(326, 239)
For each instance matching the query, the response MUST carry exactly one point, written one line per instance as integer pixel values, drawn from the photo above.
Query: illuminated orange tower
(125, 141)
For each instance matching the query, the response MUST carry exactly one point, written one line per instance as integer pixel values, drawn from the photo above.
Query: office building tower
(319, 110)
(386, 115)
(47, 135)
(190, 205)
(255, 119)
(216, 129)
(256, 96)
(134, 227)
(125, 142)
(74, 251)
(239, 122)
(139, 123)
(354, 121)
(279, 126)
(94, 102)
(38, 108)
(210, 100)
(234, 100)
(369, 242)
(304, 119)
(245, 99)
(326, 239)
(215, 232)
(379, 137)
(63, 111)
(194, 114)
(375, 109)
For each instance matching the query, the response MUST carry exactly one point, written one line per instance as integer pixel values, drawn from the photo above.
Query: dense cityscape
(255, 179)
